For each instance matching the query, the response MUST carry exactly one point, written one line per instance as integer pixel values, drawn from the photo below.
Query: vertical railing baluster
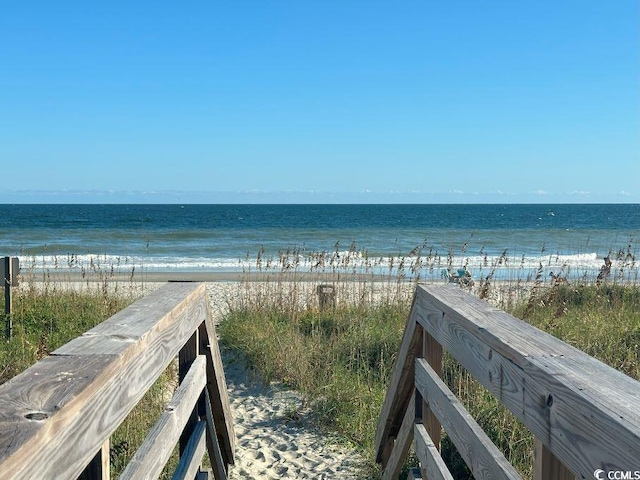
(187, 355)
(432, 353)
(547, 466)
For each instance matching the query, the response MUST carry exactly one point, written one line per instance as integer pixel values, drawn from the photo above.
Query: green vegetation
(45, 319)
(46, 316)
(341, 359)
(603, 321)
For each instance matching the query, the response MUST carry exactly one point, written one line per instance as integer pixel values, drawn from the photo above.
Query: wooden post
(326, 296)
(186, 357)
(6, 281)
(547, 466)
(432, 353)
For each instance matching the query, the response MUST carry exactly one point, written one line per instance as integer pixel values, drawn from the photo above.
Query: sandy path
(274, 438)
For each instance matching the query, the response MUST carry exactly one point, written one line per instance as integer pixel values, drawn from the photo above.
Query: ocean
(509, 241)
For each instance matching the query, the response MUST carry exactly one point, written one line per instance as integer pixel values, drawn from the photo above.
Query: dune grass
(46, 319)
(341, 359)
(46, 315)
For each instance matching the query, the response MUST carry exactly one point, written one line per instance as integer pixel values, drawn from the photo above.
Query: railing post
(432, 353)
(187, 355)
(547, 466)
(6, 281)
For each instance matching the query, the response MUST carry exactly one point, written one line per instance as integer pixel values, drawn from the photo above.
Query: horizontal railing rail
(585, 415)
(56, 418)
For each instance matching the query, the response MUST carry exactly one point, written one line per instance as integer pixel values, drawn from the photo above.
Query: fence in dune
(57, 416)
(585, 415)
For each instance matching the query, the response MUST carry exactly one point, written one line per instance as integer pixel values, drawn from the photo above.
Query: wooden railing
(56, 417)
(585, 415)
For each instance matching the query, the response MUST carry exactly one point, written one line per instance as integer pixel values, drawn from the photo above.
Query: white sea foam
(576, 265)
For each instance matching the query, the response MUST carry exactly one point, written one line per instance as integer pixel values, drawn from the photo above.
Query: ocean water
(513, 241)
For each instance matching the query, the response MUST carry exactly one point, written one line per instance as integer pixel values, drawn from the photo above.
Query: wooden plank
(213, 446)
(153, 454)
(482, 457)
(188, 353)
(401, 444)
(547, 466)
(520, 341)
(77, 387)
(191, 460)
(400, 386)
(430, 460)
(432, 353)
(5, 281)
(217, 389)
(134, 324)
(542, 380)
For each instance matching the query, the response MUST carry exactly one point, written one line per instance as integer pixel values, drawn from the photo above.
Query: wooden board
(547, 466)
(399, 391)
(152, 456)
(190, 462)
(430, 460)
(482, 457)
(87, 387)
(217, 390)
(585, 412)
(218, 464)
(401, 444)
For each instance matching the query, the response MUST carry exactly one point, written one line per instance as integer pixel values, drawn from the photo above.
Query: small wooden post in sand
(326, 296)
(9, 268)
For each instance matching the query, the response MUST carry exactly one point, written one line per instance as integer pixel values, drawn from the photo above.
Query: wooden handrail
(57, 414)
(584, 414)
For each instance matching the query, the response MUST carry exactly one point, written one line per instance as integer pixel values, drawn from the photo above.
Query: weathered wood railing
(56, 418)
(585, 416)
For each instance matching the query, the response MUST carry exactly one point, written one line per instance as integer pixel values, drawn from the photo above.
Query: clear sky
(290, 101)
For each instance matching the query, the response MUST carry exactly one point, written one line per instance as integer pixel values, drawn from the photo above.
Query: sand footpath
(274, 435)
(274, 438)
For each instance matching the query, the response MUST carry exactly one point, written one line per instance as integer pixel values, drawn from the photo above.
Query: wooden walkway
(56, 418)
(584, 414)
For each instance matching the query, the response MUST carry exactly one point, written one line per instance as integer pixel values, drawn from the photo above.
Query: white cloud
(541, 192)
(578, 192)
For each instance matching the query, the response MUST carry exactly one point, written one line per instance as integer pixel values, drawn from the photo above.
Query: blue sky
(281, 101)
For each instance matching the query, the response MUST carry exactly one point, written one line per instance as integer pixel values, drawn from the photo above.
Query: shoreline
(207, 277)
(70, 276)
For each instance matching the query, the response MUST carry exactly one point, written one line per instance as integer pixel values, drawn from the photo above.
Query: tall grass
(47, 313)
(341, 358)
